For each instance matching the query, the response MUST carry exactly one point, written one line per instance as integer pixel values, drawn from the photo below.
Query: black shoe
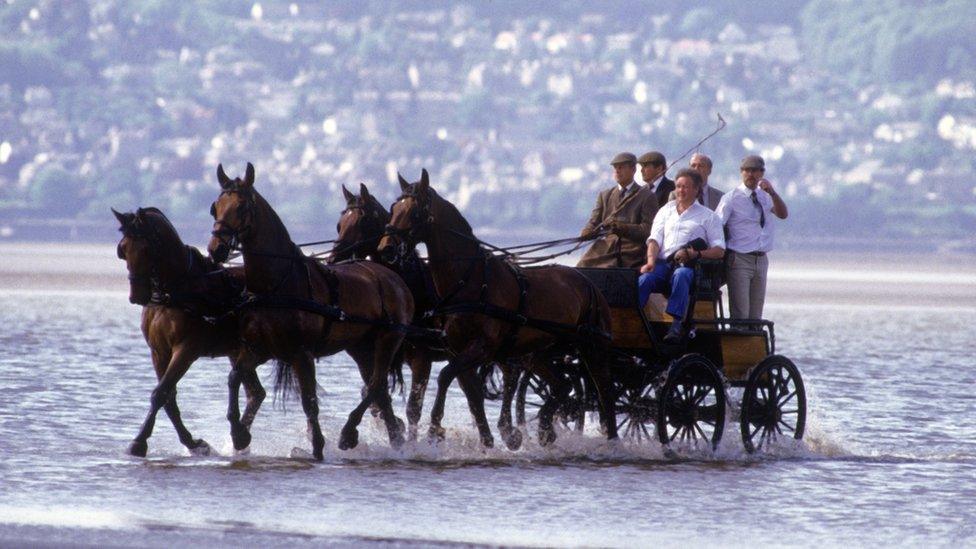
(675, 334)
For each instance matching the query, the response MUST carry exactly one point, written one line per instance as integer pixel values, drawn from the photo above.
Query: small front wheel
(774, 403)
(691, 403)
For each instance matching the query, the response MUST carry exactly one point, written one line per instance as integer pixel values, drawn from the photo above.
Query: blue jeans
(664, 278)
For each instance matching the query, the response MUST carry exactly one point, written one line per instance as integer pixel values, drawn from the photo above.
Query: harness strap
(576, 332)
(332, 312)
(512, 336)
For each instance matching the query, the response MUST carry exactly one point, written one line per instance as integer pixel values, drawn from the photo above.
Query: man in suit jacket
(626, 212)
(710, 196)
(653, 165)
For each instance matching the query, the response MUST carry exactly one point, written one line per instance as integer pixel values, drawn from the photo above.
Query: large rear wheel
(774, 403)
(691, 404)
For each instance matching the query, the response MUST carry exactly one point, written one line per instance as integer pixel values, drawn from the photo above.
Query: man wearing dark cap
(653, 165)
(620, 220)
(744, 212)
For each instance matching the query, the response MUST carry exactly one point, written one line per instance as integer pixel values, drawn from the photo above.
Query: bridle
(146, 231)
(223, 232)
(372, 224)
(420, 219)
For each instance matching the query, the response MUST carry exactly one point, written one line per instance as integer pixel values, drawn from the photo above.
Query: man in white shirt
(669, 255)
(743, 212)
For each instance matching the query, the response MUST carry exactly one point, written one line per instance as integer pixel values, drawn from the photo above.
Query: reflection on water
(889, 454)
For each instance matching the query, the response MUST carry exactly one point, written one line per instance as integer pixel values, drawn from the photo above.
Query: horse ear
(424, 181)
(404, 186)
(119, 216)
(363, 191)
(348, 195)
(222, 177)
(249, 175)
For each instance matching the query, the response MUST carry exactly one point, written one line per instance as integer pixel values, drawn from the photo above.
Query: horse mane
(160, 223)
(272, 214)
(452, 210)
(377, 205)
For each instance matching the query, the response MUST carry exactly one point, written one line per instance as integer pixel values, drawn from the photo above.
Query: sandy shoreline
(814, 279)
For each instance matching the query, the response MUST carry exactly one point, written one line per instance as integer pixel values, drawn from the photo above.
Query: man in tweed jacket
(625, 212)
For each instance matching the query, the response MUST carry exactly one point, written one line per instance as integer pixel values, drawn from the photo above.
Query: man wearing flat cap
(620, 220)
(744, 212)
(653, 165)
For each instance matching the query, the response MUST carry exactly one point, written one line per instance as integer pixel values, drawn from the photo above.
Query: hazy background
(865, 112)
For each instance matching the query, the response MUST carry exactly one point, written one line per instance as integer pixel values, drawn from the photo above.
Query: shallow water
(889, 456)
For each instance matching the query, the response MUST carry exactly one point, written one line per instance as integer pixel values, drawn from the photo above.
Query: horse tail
(396, 372)
(285, 385)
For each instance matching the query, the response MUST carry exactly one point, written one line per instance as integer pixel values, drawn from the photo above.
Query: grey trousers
(745, 276)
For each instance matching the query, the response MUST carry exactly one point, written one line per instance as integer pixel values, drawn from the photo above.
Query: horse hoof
(397, 441)
(242, 439)
(138, 448)
(547, 437)
(349, 439)
(488, 441)
(412, 433)
(318, 455)
(436, 434)
(401, 426)
(513, 440)
(201, 448)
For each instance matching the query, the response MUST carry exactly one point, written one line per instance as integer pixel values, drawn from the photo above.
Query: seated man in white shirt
(744, 212)
(668, 252)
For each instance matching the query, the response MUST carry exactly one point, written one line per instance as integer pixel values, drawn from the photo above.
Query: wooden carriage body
(734, 346)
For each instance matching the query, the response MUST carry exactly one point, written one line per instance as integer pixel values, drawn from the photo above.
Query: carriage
(683, 392)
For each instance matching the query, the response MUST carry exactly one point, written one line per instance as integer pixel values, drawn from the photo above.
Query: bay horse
(360, 227)
(185, 298)
(302, 310)
(493, 310)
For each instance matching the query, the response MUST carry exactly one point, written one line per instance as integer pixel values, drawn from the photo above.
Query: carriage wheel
(636, 409)
(774, 403)
(533, 392)
(691, 404)
(493, 381)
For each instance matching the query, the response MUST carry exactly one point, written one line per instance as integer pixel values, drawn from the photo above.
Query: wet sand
(816, 278)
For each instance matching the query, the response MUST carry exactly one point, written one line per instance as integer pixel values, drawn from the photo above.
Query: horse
(360, 227)
(301, 310)
(185, 298)
(493, 310)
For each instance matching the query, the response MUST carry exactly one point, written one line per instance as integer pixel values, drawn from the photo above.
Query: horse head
(232, 213)
(360, 226)
(148, 239)
(410, 220)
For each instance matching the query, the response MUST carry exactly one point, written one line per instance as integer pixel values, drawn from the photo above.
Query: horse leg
(600, 374)
(304, 367)
(243, 371)
(255, 396)
(170, 368)
(378, 356)
(468, 358)
(559, 391)
(419, 361)
(471, 384)
(511, 435)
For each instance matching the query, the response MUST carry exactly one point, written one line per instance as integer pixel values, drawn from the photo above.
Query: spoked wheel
(691, 404)
(533, 392)
(774, 403)
(636, 409)
(492, 378)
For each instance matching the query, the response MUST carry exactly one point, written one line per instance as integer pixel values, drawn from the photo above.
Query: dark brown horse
(303, 310)
(361, 226)
(185, 298)
(493, 311)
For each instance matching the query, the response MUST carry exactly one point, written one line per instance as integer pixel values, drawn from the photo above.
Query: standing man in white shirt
(669, 254)
(744, 212)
